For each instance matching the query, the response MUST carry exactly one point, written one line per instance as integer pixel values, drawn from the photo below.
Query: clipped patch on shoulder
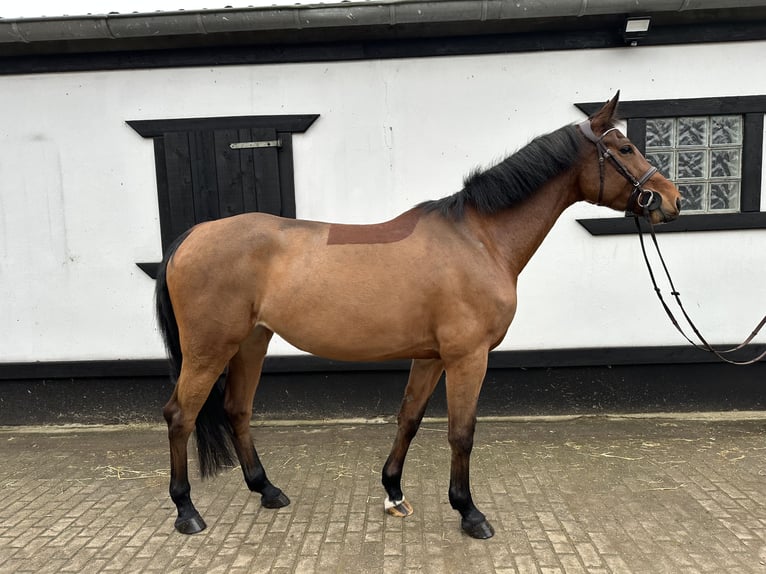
(388, 232)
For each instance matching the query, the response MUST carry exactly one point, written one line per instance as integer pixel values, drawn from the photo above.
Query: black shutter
(201, 177)
(207, 179)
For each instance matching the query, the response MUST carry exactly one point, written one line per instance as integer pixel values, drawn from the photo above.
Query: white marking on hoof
(388, 504)
(398, 508)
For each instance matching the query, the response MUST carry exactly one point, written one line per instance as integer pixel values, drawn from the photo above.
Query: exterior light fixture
(636, 28)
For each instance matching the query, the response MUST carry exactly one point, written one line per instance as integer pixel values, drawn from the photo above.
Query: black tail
(213, 429)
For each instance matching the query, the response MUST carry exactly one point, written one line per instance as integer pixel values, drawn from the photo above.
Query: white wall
(78, 194)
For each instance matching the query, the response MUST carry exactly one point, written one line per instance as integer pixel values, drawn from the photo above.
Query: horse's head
(617, 174)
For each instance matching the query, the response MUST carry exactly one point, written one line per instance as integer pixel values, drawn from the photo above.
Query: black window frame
(283, 126)
(751, 108)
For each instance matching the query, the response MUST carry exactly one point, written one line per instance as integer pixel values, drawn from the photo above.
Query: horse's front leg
(424, 374)
(241, 383)
(464, 380)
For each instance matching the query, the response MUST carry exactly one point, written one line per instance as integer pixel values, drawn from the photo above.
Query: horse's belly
(361, 350)
(344, 341)
(351, 329)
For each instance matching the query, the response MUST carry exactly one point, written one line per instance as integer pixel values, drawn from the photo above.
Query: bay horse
(436, 284)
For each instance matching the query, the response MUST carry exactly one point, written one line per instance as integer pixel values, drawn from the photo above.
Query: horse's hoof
(278, 501)
(191, 525)
(398, 508)
(481, 530)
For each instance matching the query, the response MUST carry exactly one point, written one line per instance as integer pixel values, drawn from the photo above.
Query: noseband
(641, 201)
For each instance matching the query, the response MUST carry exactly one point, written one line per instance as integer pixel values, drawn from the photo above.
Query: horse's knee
(239, 417)
(174, 418)
(170, 412)
(408, 426)
(179, 426)
(461, 440)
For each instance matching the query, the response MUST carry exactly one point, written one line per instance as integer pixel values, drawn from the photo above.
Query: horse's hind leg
(241, 384)
(424, 374)
(194, 385)
(464, 380)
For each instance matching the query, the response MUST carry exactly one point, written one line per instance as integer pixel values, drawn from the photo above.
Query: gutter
(346, 15)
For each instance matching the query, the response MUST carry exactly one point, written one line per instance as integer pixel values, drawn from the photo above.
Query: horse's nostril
(678, 204)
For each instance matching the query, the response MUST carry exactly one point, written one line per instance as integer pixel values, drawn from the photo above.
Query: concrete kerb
(724, 416)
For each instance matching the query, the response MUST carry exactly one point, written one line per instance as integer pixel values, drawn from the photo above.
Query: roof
(54, 8)
(301, 23)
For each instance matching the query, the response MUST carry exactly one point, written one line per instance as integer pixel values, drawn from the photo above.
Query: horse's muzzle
(646, 202)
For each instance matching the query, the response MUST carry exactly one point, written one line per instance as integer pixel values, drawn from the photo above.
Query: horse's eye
(626, 149)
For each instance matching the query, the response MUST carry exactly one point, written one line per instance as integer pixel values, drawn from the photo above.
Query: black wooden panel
(178, 169)
(260, 172)
(637, 133)
(752, 158)
(266, 171)
(286, 177)
(247, 166)
(229, 173)
(163, 203)
(204, 177)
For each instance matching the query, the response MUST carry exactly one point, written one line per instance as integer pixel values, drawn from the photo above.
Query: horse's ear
(603, 119)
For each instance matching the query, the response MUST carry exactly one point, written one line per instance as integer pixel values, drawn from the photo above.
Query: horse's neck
(518, 231)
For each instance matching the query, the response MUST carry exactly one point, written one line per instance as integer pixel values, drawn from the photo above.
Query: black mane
(515, 178)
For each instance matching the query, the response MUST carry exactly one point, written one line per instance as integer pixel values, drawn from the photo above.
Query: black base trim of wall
(547, 358)
(569, 381)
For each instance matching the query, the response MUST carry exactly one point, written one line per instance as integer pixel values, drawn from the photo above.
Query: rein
(647, 201)
(704, 346)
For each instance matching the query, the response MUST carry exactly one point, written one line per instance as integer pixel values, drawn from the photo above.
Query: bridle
(641, 201)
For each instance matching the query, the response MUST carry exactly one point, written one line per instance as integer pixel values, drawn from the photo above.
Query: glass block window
(702, 155)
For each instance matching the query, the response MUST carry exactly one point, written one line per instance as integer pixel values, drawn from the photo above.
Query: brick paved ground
(591, 495)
